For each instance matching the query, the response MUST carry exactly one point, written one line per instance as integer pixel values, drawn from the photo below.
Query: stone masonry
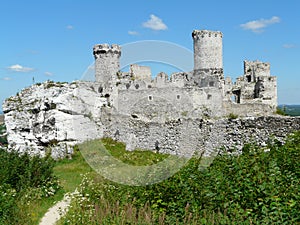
(188, 111)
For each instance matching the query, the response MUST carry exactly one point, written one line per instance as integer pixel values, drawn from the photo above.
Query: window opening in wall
(137, 86)
(211, 83)
(157, 145)
(150, 98)
(178, 96)
(248, 78)
(237, 95)
(208, 96)
(149, 86)
(232, 98)
(134, 116)
(127, 86)
(100, 89)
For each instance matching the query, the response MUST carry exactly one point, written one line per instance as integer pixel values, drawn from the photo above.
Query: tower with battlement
(107, 61)
(208, 52)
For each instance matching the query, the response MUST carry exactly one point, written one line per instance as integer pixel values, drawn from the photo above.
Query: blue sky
(54, 39)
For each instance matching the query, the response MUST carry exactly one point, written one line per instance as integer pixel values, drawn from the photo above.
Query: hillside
(291, 110)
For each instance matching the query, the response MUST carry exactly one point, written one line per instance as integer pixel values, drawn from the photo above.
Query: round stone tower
(107, 61)
(208, 54)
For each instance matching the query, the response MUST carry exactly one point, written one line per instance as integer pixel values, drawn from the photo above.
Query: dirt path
(56, 212)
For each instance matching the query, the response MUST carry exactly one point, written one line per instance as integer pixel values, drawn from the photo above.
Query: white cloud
(19, 68)
(155, 23)
(258, 25)
(6, 78)
(70, 27)
(48, 74)
(289, 46)
(133, 33)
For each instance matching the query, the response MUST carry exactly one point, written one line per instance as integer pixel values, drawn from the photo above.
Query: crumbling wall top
(100, 49)
(206, 33)
(257, 68)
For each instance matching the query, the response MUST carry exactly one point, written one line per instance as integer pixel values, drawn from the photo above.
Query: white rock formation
(48, 114)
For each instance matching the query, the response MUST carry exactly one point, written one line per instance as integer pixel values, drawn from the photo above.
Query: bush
(23, 179)
(232, 116)
(23, 171)
(280, 111)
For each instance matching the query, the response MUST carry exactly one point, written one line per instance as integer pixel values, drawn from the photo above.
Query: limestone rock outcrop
(52, 116)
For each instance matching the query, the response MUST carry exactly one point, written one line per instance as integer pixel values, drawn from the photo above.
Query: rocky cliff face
(52, 116)
(55, 116)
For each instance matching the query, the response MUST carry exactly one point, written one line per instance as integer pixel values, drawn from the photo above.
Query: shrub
(232, 116)
(23, 179)
(280, 111)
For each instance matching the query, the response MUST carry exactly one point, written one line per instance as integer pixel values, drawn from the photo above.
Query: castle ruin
(201, 92)
(188, 111)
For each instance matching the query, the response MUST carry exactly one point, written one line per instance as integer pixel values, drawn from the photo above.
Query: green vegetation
(136, 158)
(70, 171)
(232, 116)
(50, 84)
(281, 111)
(259, 186)
(184, 113)
(291, 110)
(25, 182)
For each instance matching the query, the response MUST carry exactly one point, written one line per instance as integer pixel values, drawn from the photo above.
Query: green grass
(69, 171)
(136, 158)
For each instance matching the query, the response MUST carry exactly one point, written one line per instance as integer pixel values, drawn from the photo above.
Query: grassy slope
(69, 171)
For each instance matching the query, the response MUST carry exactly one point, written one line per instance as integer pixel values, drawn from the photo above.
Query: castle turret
(107, 61)
(208, 56)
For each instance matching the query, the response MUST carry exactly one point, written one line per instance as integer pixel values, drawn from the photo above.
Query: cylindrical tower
(107, 61)
(208, 47)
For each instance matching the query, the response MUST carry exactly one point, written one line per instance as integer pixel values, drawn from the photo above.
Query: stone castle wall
(186, 135)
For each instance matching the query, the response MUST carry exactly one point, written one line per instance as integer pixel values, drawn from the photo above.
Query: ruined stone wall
(256, 85)
(184, 136)
(155, 103)
(140, 72)
(266, 89)
(256, 69)
(247, 109)
(171, 102)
